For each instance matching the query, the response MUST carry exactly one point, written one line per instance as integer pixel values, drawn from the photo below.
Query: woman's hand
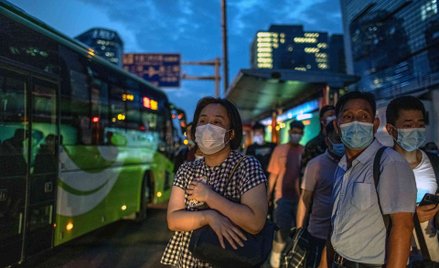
(224, 228)
(198, 190)
(427, 212)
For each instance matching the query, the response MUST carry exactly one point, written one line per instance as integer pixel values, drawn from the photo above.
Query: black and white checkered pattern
(248, 175)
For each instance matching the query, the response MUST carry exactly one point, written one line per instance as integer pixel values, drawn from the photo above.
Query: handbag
(204, 245)
(295, 253)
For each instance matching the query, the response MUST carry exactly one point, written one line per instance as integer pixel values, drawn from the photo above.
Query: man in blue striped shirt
(359, 234)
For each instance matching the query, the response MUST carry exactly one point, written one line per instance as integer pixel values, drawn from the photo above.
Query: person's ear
(336, 127)
(231, 134)
(391, 130)
(376, 124)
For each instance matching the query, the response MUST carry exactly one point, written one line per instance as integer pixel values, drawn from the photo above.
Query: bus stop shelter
(259, 92)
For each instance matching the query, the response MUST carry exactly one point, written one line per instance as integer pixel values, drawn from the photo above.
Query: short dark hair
(258, 125)
(353, 95)
(232, 113)
(403, 103)
(326, 108)
(297, 124)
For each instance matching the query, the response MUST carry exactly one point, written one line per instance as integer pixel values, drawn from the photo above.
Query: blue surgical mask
(411, 139)
(338, 149)
(356, 135)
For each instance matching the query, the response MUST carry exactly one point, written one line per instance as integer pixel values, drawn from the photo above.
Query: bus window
(12, 126)
(99, 110)
(23, 45)
(117, 107)
(80, 105)
(133, 102)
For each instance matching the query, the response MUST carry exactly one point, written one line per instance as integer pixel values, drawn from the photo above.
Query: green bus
(83, 143)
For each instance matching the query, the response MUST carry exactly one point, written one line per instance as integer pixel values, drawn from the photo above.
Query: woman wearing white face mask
(217, 129)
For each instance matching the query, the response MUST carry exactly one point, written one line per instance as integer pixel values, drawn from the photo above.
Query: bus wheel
(145, 198)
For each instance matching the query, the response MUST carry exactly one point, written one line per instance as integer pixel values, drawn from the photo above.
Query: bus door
(43, 159)
(28, 163)
(14, 131)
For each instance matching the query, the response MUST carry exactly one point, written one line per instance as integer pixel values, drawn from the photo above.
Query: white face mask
(258, 139)
(210, 138)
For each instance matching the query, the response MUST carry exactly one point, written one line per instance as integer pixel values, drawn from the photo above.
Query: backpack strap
(421, 240)
(376, 179)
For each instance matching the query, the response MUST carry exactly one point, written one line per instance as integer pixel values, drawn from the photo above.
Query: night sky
(189, 27)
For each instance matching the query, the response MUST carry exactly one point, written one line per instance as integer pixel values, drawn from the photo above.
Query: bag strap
(421, 240)
(233, 172)
(376, 179)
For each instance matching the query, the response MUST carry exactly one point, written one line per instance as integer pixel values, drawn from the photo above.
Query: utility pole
(225, 50)
(216, 63)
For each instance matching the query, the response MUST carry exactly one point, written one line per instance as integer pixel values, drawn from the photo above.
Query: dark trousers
(284, 217)
(314, 251)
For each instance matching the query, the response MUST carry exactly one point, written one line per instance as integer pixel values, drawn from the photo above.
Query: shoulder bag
(204, 244)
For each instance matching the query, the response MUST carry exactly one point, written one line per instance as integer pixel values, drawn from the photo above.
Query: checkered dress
(248, 175)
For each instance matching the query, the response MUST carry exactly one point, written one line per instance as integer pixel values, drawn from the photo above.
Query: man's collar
(364, 156)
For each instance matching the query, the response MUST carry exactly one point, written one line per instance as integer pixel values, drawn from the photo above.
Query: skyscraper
(106, 43)
(290, 47)
(394, 47)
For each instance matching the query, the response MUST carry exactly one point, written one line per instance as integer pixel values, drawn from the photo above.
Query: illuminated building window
(265, 60)
(265, 65)
(322, 45)
(305, 40)
(300, 68)
(429, 9)
(264, 39)
(264, 54)
(312, 35)
(311, 50)
(264, 49)
(322, 66)
(264, 45)
(264, 34)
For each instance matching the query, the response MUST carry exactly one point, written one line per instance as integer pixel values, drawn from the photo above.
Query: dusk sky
(189, 27)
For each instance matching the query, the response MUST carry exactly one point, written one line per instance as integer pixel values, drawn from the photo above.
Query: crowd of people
(361, 204)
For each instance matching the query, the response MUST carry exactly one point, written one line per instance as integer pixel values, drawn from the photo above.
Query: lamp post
(225, 51)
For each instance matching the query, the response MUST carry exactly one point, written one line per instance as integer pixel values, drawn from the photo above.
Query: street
(121, 244)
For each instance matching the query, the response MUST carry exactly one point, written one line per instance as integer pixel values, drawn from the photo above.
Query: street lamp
(225, 52)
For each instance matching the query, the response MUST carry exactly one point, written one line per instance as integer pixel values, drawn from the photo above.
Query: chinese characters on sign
(162, 70)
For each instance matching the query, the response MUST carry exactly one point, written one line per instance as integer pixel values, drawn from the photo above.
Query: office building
(290, 47)
(394, 47)
(106, 43)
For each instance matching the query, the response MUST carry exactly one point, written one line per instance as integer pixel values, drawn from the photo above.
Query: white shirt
(426, 183)
(425, 178)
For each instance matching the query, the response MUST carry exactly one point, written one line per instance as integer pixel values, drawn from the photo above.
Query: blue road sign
(162, 70)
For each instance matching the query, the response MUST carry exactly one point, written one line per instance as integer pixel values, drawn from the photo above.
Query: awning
(257, 92)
